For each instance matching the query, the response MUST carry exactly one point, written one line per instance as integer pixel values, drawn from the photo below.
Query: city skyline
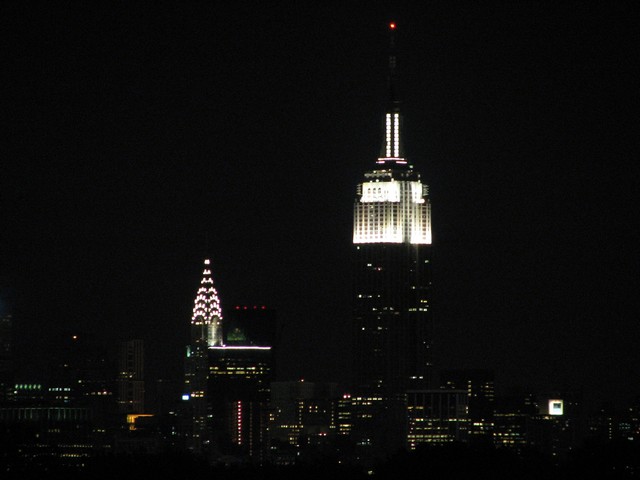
(141, 144)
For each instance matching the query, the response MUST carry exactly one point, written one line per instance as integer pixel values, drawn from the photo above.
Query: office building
(303, 420)
(7, 373)
(392, 325)
(437, 417)
(480, 387)
(237, 397)
(131, 376)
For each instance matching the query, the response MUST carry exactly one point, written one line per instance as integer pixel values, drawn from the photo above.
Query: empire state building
(392, 324)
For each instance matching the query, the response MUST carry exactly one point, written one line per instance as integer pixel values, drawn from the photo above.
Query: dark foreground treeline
(618, 460)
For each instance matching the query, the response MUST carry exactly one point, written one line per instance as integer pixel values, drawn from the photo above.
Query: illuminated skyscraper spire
(206, 332)
(206, 321)
(393, 204)
(391, 265)
(392, 146)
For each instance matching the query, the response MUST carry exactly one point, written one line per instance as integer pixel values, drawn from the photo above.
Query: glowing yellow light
(131, 419)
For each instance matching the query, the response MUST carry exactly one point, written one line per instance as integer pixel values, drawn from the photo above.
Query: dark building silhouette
(36, 437)
(513, 421)
(240, 373)
(378, 426)
(250, 325)
(69, 418)
(237, 397)
(479, 386)
(303, 420)
(84, 375)
(7, 373)
(437, 417)
(131, 376)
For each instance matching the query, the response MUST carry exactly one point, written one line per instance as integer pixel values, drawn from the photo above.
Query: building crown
(206, 310)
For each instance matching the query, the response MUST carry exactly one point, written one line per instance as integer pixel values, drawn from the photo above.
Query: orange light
(392, 25)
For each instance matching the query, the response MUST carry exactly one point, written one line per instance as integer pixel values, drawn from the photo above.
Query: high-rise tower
(130, 381)
(240, 374)
(206, 332)
(391, 266)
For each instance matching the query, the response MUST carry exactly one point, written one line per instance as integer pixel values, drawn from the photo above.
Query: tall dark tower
(392, 322)
(130, 380)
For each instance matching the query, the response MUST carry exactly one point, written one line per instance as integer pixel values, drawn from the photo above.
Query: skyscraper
(240, 373)
(6, 355)
(237, 397)
(206, 332)
(391, 266)
(131, 376)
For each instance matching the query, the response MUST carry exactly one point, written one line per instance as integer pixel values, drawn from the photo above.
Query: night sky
(139, 139)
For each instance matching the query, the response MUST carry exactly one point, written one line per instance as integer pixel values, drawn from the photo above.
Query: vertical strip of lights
(396, 135)
(392, 135)
(239, 423)
(388, 136)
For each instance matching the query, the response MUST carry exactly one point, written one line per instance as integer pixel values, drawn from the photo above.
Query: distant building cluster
(230, 409)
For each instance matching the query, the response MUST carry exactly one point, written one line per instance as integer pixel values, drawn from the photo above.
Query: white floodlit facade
(392, 207)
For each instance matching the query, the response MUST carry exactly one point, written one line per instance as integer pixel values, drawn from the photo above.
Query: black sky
(139, 139)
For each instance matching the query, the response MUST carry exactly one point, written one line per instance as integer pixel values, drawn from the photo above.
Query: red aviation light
(392, 26)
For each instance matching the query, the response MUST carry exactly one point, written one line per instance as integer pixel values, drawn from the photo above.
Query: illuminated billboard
(556, 407)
